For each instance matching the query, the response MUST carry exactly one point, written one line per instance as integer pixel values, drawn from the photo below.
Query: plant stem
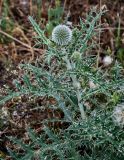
(76, 85)
(80, 104)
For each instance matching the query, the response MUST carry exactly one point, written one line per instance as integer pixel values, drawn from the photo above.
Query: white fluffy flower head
(107, 60)
(118, 115)
(61, 35)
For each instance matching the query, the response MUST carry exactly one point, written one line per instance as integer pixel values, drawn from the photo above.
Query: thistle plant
(91, 132)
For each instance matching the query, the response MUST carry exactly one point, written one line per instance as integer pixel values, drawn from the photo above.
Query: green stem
(76, 85)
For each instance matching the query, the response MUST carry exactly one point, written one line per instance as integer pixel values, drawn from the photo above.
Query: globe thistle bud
(76, 55)
(77, 85)
(118, 115)
(61, 35)
(92, 85)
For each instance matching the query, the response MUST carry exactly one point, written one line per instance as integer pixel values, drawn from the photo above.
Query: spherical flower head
(118, 115)
(61, 35)
(107, 60)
